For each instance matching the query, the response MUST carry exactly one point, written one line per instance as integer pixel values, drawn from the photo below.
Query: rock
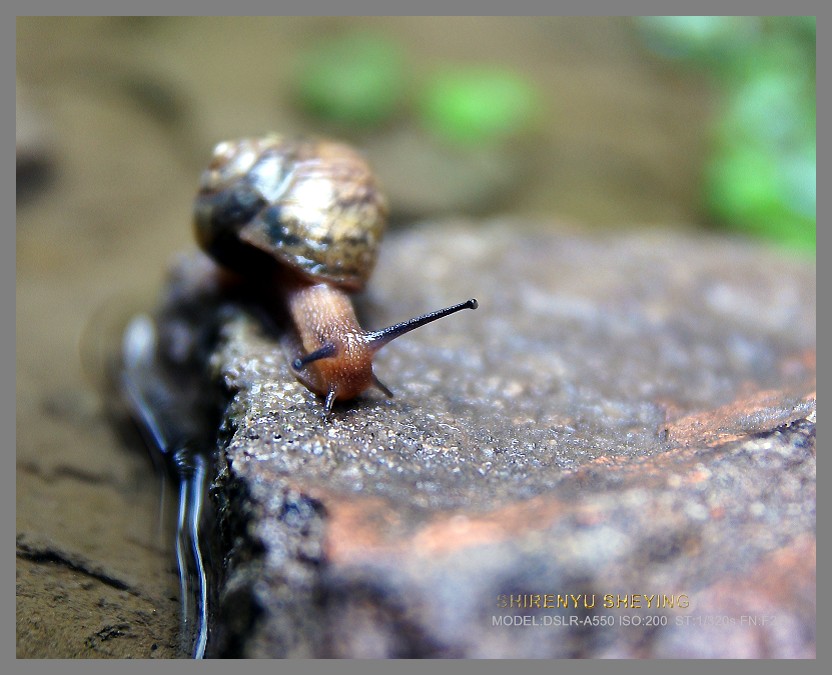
(627, 420)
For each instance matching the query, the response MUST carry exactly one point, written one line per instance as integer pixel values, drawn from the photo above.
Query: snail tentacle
(327, 351)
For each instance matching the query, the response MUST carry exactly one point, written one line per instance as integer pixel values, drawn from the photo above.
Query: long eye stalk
(377, 339)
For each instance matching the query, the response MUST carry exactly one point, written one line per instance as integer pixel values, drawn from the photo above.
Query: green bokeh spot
(757, 192)
(477, 105)
(357, 80)
(773, 110)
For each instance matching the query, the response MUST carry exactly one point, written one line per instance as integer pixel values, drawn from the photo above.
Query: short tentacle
(326, 352)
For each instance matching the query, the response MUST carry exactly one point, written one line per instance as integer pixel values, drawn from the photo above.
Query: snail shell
(312, 204)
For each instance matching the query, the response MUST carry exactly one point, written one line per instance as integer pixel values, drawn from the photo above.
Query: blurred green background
(691, 121)
(760, 174)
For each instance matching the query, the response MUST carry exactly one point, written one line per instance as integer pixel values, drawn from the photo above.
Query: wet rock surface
(623, 416)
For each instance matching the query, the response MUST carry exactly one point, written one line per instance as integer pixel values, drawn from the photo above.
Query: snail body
(308, 212)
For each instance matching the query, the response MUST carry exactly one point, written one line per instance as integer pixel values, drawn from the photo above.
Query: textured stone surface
(623, 415)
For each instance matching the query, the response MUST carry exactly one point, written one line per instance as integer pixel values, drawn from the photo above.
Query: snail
(309, 214)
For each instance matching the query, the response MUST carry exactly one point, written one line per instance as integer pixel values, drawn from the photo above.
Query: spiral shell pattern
(311, 204)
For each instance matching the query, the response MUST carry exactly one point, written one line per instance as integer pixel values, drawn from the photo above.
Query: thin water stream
(173, 419)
